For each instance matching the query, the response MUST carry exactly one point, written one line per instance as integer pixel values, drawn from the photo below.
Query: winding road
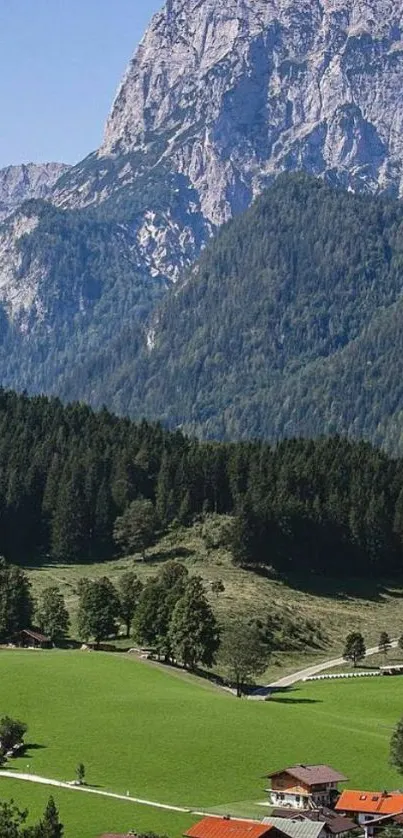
(289, 680)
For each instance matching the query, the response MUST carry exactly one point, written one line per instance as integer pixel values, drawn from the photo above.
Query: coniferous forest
(67, 474)
(289, 324)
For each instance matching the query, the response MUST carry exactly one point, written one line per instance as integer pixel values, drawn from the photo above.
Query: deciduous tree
(243, 653)
(136, 529)
(98, 609)
(129, 590)
(52, 615)
(193, 631)
(12, 733)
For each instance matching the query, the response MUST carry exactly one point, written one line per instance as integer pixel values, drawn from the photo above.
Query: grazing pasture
(168, 737)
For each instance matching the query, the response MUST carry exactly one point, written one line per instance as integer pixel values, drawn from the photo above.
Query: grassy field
(176, 740)
(87, 816)
(339, 606)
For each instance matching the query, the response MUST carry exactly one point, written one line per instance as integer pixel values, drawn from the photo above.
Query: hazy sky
(60, 64)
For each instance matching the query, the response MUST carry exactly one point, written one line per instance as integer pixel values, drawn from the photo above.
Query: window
(297, 798)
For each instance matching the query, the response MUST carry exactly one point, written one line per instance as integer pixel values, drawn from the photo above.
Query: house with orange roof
(304, 786)
(368, 807)
(210, 827)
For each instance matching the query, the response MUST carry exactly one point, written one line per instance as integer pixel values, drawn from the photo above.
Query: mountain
(31, 180)
(230, 94)
(218, 101)
(290, 323)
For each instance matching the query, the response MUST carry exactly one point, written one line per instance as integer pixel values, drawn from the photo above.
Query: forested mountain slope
(288, 325)
(327, 506)
(218, 100)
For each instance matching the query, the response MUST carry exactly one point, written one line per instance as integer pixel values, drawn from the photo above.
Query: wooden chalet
(304, 786)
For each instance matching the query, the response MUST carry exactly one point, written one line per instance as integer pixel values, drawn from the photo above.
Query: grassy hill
(180, 741)
(332, 606)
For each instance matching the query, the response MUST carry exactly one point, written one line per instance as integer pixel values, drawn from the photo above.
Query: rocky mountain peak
(234, 93)
(30, 180)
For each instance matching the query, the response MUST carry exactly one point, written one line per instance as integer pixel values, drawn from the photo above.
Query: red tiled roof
(227, 828)
(312, 774)
(373, 802)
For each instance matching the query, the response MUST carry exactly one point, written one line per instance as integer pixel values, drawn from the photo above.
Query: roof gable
(312, 774)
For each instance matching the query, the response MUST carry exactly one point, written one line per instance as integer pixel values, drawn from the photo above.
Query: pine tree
(51, 826)
(16, 604)
(354, 649)
(70, 536)
(384, 643)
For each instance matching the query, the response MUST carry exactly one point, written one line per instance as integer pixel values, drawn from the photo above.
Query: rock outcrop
(233, 93)
(31, 180)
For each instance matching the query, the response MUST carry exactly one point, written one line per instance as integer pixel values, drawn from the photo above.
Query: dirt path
(46, 781)
(289, 680)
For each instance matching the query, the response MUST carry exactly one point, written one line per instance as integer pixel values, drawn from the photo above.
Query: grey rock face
(234, 92)
(219, 98)
(21, 183)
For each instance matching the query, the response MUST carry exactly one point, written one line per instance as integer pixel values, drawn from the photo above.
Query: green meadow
(88, 816)
(171, 738)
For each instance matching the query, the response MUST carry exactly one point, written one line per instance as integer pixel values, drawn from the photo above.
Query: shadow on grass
(279, 699)
(31, 746)
(346, 588)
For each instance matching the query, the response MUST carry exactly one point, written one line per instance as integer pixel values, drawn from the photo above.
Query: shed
(32, 637)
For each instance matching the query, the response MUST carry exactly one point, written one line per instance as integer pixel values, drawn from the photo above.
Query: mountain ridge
(218, 104)
(25, 182)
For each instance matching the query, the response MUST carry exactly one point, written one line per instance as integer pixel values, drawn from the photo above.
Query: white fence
(334, 675)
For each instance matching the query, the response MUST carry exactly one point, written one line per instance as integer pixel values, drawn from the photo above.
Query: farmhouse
(369, 806)
(233, 828)
(304, 786)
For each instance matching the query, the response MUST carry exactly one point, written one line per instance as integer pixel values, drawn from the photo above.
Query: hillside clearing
(338, 606)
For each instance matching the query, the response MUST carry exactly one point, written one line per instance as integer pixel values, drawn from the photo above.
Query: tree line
(77, 485)
(170, 615)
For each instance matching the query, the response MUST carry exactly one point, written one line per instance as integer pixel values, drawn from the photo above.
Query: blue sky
(60, 64)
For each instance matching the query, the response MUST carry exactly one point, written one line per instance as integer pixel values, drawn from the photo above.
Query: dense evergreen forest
(290, 324)
(67, 473)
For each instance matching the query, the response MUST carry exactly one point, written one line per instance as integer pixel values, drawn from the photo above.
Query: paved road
(289, 680)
